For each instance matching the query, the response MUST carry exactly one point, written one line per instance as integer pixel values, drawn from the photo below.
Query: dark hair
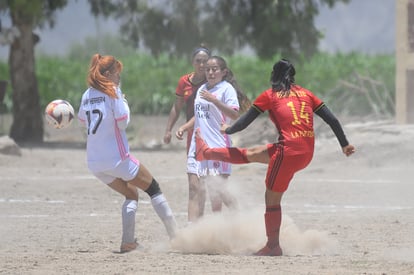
(244, 102)
(283, 76)
(202, 48)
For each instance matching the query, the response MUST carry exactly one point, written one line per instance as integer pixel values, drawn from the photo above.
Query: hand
(167, 137)
(223, 128)
(348, 150)
(180, 134)
(207, 96)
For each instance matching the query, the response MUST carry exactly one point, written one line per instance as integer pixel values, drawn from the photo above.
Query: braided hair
(283, 76)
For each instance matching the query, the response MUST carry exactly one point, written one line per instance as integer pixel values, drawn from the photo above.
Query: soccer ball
(59, 113)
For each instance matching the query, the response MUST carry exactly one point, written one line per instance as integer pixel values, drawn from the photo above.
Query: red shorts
(281, 168)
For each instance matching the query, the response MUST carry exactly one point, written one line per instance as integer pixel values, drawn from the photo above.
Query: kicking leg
(233, 155)
(146, 182)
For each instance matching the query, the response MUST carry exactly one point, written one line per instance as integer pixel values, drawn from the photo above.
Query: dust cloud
(243, 232)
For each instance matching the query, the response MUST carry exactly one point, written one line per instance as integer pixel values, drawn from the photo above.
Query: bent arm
(333, 122)
(225, 109)
(123, 121)
(243, 121)
(174, 113)
(185, 127)
(173, 117)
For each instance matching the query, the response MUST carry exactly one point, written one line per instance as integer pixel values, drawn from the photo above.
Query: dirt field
(341, 215)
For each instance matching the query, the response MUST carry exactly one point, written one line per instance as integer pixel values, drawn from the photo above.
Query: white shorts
(125, 170)
(207, 167)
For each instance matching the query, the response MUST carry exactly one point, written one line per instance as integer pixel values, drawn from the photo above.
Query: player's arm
(122, 112)
(228, 111)
(82, 122)
(243, 121)
(173, 117)
(185, 127)
(327, 116)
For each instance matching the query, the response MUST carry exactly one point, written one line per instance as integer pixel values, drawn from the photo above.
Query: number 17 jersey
(107, 143)
(293, 117)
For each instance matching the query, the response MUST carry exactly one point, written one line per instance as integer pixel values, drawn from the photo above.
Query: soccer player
(216, 102)
(291, 109)
(185, 92)
(105, 113)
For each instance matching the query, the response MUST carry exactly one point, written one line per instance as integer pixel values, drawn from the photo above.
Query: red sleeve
(180, 89)
(317, 103)
(262, 102)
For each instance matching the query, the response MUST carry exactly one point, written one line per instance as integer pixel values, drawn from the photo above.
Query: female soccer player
(216, 102)
(105, 113)
(185, 92)
(291, 109)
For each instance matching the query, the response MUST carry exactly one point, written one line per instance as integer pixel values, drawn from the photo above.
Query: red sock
(273, 219)
(227, 154)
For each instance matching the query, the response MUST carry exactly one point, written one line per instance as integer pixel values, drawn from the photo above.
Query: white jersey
(106, 119)
(209, 119)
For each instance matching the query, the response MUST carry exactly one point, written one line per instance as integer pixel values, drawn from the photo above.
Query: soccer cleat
(201, 146)
(128, 247)
(266, 251)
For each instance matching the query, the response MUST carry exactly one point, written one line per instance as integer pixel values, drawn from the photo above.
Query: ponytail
(244, 102)
(98, 66)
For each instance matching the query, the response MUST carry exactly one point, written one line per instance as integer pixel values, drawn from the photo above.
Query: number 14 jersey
(293, 117)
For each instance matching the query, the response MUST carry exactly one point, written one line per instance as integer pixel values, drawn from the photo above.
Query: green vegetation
(149, 83)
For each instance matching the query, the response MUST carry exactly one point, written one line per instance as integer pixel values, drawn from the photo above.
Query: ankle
(272, 244)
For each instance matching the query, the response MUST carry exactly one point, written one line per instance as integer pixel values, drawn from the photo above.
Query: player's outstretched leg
(163, 210)
(161, 207)
(228, 154)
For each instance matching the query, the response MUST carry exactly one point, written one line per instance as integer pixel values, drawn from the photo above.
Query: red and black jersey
(292, 116)
(188, 90)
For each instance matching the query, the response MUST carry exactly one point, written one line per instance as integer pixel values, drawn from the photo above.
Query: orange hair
(96, 78)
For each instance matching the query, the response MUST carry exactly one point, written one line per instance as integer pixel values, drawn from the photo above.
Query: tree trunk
(27, 116)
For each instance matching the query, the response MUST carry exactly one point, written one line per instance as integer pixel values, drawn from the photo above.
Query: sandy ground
(341, 215)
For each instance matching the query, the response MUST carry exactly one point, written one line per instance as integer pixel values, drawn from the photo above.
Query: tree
(269, 27)
(25, 16)
(157, 27)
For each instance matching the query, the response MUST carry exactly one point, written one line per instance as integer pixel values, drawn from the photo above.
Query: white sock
(129, 208)
(161, 207)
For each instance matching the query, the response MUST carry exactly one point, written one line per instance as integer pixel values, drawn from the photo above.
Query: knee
(153, 189)
(272, 197)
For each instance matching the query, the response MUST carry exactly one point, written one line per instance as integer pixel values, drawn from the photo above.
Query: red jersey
(188, 90)
(292, 116)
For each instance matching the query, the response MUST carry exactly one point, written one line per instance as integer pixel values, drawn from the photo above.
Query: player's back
(106, 143)
(293, 117)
